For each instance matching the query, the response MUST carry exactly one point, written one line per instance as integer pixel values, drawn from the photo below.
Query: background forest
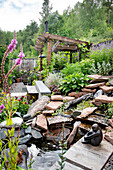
(91, 20)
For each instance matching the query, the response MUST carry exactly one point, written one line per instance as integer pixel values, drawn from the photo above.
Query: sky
(17, 14)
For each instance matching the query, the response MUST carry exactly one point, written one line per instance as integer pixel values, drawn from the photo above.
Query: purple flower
(1, 108)
(12, 46)
(18, 61)
(21, 54)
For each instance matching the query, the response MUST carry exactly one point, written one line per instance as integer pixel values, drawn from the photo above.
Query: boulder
(98, 93)
(36, 134)
(38, 105)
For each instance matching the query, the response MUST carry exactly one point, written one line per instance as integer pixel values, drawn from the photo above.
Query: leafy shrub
(102, 58)
(74, 81)
(70, 69)
(53, 81)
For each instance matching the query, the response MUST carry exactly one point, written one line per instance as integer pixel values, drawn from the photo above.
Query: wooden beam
(63, 39)
(49, 52)
(55, 45)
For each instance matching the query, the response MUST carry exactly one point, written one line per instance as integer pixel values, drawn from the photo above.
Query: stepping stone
(96, 76)
(68, 98)
(104, 99)
(87, 111)
(58, 119)
(72, 94)
(41, 122)
(56, 97)
(79, 94)
(106, 88)
(45, 112)
(92, 86)
(89, 90)
(54, 105)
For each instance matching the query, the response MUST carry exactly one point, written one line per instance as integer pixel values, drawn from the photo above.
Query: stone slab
(31, 89)
(94, 119)
(41, 122)
(106, 88)
(95, 85)
(45, 112)
(95, 76)
(87, 156)
(56, 97)
(58, 119)
(41, 87)
(104, 99)
(68, 98)
(89, 90)
(87, 111)
(54, 105)
(18, 94)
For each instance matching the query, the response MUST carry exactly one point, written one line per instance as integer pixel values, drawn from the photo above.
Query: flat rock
(87, 111)
(28, 130)
(45, 112)
(79, 94)
(41, 122)
(110, 121)
(56, 134)
(106, 88)
(38, 105)
(100, 79)
(96, 76)
(68, 98)
(89, 90)
(72, 94)
(96, 103)
(94, 119)
(109, 137)
(85, 126)
(58, 119)
(104, 99)
(56, 97)
(24, 139)
(95, 85)
(54, 105)
(36, 134)
(17, 122)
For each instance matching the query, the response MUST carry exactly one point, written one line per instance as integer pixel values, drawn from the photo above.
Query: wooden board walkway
(84, 156)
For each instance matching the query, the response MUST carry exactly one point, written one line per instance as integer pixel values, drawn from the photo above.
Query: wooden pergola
(57, 43)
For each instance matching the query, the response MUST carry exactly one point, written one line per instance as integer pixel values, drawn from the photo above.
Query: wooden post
(70, 57)
(49, 52)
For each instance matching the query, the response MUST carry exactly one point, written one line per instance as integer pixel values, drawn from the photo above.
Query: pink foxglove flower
(18, 61)
(1, 108)
(21, 54)
(12, 46)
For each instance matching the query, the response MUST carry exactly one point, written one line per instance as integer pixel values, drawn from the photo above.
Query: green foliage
(73, 82)
(63, 147)
(22, 105)
(103, 61)
(109, 111)
(84, 104)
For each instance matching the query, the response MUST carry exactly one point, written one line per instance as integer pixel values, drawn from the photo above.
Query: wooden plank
(88, 156)
(41, 87)
(62, 38)
(55, 46)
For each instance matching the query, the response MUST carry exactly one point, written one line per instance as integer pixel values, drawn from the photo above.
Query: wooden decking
(84, 156)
